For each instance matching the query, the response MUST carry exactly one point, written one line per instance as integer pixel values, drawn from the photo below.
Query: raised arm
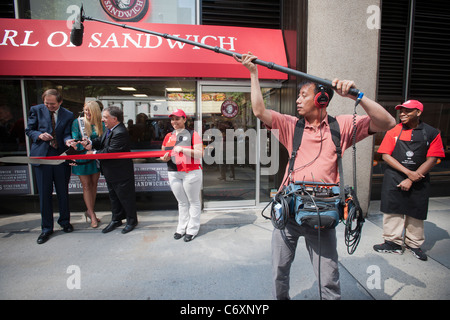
(380, 119)
(258, 107)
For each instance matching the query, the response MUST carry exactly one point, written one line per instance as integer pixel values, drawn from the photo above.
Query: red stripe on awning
(42, 48)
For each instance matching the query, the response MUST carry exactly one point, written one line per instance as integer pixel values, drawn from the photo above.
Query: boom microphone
(76, 35)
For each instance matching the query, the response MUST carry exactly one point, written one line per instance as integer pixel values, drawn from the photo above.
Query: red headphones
(321, 99)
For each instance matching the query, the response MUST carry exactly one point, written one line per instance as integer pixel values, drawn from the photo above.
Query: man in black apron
(411, 150)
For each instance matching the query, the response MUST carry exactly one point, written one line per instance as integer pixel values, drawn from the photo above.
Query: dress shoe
(111, 226)
(68, 228)
(44, 236)
(128, 228)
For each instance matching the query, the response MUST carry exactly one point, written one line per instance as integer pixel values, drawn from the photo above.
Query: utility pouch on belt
(323, 212)
(306, 212)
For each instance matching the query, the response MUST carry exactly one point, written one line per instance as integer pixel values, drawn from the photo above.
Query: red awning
(42, 48)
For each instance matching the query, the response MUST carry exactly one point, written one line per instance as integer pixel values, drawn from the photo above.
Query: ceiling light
(140, 95)
(174, 89)
(126, 88)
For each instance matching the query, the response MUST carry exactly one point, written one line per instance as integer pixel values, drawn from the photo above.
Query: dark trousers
(282, 258)
(123, 201)
(46, 177)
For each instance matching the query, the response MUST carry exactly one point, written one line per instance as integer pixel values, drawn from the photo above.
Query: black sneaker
(418, 253)
(188, 237)
(388, 247)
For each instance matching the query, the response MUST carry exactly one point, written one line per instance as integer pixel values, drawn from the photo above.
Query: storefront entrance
(233, 173)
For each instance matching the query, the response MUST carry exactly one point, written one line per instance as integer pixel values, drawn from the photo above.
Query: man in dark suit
(49, 127)
(119, 173)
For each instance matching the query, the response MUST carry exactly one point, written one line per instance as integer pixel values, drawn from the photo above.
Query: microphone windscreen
(76, 35)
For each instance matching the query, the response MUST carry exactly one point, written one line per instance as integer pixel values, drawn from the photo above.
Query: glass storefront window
(14, 177)
(241, 155)
(12, 134)
(146, 104)
(272, 170)
(230, 141)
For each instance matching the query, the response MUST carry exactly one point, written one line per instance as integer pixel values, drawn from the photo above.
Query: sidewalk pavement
(229, 260)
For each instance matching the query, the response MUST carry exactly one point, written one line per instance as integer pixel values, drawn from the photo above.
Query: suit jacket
(115, 170)
(39, 121)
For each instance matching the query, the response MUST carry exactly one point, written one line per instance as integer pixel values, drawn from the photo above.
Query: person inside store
(411, 149)
(227, 144)
(49, 128)
(316, 160)
(185, 151)
(7, 140)
(118, 173)
(89, 126)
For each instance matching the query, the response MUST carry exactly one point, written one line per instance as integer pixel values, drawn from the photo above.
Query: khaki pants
(399, 228)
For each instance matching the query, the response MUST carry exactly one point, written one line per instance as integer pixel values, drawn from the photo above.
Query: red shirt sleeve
(167, 142)
(436, 148)
(196, 138)
(388, 144)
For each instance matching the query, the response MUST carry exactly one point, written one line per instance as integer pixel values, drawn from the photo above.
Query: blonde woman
(89, 126)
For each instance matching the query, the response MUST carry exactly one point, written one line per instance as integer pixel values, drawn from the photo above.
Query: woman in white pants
(185, 173)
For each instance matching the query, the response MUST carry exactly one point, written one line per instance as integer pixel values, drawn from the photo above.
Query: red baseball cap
(411, 104)
(178, 113)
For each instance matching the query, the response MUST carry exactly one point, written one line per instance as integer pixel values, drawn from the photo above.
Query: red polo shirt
(435, 149)
(317, 161)
(182, 162)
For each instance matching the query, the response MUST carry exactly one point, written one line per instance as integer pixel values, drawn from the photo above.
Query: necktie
(53, 142)
(107, 133)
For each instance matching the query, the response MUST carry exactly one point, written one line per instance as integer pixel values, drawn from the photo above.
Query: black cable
(352, 235)
(279, 215)
(354, 145)
(318, 215)
(318, 241)
(354, 224)
(279, 212)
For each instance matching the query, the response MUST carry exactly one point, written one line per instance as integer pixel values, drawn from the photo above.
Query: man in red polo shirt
(316, 160)
(411, 150)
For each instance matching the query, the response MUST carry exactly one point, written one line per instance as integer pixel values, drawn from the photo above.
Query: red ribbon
(113, 155)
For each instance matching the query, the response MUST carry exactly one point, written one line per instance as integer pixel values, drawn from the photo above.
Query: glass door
(229, 131)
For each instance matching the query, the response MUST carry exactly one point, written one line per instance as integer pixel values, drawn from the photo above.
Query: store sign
(148, 177)
(229, 109)
(125, 10)
(43, 48)
(15, 180)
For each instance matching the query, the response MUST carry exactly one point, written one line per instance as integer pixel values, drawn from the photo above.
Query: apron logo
(409, 154)
(125, 10)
